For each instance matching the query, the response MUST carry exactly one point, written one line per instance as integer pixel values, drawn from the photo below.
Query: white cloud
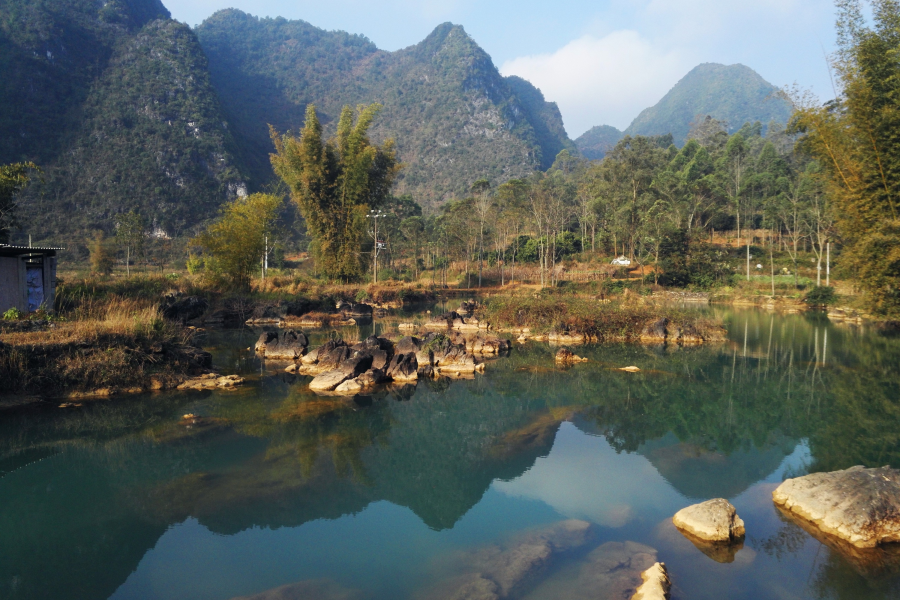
(603, 80)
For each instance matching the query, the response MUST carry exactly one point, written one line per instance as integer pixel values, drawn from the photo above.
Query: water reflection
(91, 491)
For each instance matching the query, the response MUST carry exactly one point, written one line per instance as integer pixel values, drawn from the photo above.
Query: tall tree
(856, 139)
(236, 241)
(335, 183)
(130, 231)
(13, 178)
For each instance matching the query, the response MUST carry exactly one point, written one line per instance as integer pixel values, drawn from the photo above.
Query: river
(380, 496)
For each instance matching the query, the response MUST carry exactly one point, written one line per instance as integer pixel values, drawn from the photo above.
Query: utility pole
(374, 215)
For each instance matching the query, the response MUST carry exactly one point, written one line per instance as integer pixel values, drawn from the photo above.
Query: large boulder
(858, 505)
(403, 367)
(711, 521)
(328, 381)
(288, 345)
(457, 360)
(487, 345)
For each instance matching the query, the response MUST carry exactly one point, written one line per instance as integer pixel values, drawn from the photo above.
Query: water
(121, 500)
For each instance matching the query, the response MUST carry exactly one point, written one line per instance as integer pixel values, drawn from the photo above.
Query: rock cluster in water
(343, 368)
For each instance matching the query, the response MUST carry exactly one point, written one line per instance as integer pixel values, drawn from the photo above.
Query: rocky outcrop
(711, 521)
(507, 570)
(350, 368)
(612, 571)
(486, 345)
(656, 332)
(858, 505)
(656, 584)
(287, 345)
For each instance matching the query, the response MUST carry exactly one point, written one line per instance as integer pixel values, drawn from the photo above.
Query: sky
(601, 61)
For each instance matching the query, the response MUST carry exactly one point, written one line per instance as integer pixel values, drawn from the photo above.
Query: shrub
(822, 295)
(13, 314)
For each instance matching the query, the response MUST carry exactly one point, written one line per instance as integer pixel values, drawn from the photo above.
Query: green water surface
(273, 485)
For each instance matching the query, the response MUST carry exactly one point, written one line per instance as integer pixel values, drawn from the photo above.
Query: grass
(103, 343)
(617, 320)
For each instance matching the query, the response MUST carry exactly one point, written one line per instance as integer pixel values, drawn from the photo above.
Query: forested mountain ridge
(597, 141)
(735, 94)
(113, 101)
(454, 117)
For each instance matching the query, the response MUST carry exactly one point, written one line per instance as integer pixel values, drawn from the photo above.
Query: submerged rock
(509, 569)
(656, 584)
(858, 505)
(566, 356)
(314, 589)
(711, 521)
(211, 381)
(612, 571)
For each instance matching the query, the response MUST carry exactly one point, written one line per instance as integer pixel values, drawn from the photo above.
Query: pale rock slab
(656, 586)
(858, 505)
(712, 521)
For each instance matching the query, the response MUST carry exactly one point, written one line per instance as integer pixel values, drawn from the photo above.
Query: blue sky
(602, 61)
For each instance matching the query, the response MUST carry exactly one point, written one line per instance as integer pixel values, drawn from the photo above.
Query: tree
(335, 183)
(101, 254)
(130, 232)
(481, 189)
(856, 139)
(236, 241)
(13, 178)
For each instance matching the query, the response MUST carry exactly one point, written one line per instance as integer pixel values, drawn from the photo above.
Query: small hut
(27, 278)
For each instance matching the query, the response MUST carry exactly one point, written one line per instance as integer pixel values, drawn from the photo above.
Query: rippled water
(274, 486)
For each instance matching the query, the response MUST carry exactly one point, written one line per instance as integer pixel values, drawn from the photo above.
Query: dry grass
(101, 344)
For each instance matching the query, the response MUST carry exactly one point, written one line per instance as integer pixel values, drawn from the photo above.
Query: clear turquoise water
(120, 500)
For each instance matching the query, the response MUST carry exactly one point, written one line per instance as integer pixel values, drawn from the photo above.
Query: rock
(711, 521)
(184, 310)
(198, 357)
(355, 310)
(858, 505)
(403, 367)
(471, 586)
(287, 345)
(566, 356)
(408, 344)
(655, 332)
(351, 386)
(314, 589)
(372, 377)
(656, 584)
(334, 358)
(328, 381)
(630, 369)
(487, 345)
(612, 571)
(211, 381)
(406, 326)
(508, 569)
(356, 365)
(380, 359)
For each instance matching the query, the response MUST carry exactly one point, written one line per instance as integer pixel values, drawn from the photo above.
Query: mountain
(113, 100)
(734, 93)
(597, 141)
(454, 117)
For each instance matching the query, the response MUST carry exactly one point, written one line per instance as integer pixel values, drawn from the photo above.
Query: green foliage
(13, 178)
(734, 94)
(13, 314)
(856, 140)
(236, 241)
(597, 141)
(102, 258)
(334, 183)
(822, 295)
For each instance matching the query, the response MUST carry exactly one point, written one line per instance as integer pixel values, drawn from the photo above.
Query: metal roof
(38, 248)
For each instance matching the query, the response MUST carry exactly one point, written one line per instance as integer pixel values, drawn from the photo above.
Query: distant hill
(454, 117)
(597, 141)
(113, 101)
(734, 93)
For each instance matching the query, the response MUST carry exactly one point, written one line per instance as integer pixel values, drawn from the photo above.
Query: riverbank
(102, 348)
